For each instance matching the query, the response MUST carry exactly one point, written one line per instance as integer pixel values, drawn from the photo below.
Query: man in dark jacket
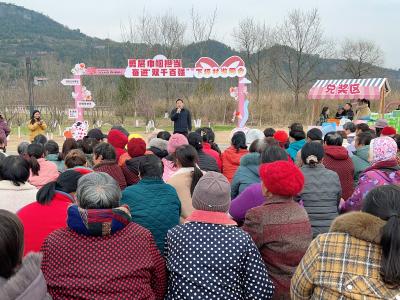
(182, 118)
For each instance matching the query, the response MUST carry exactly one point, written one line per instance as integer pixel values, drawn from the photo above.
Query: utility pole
(30, 84)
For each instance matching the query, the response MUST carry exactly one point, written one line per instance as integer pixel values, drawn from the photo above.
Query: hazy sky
(376, 20)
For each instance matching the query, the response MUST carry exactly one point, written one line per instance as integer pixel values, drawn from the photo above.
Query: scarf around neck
(98, 222)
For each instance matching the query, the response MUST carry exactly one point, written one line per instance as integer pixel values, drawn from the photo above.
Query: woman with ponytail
(322, 190)
(359, 257)
(231, 156)
(42, 171)
(185, 179)
(49, 212)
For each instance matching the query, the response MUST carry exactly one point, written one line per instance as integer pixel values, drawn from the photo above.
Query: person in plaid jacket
(359, 258)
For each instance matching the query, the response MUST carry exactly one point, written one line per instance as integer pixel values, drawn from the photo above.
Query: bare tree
(301, 47)
(202, 28)
(360, 57)
(253, 38)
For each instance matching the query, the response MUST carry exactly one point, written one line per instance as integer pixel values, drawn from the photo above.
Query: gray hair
(98, 190)
(23, 148)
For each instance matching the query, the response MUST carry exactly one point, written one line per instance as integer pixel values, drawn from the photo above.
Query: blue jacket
(246, 174)
(154, 205)
(294, 148)
(182, 121)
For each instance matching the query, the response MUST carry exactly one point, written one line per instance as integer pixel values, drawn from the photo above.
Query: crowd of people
(275, 215)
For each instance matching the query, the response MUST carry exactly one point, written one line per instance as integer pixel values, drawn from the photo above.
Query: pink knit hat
(176, 141)
(382, 149)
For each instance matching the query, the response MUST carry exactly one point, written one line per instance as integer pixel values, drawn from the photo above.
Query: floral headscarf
(382, 149)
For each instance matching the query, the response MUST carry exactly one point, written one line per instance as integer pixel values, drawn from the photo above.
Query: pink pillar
(78, 93)
(241, 98)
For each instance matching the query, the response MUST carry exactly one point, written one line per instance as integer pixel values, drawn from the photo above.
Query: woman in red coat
(50, 211)
(102, 254)
(338, 160)
(231, 156)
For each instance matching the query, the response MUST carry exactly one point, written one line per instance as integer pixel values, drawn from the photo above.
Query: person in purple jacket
(252, 196)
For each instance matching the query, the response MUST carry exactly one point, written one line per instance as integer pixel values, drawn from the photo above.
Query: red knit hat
(136, 147)
(281, 136)
(117, 139)
(388, 131)
(282, 178)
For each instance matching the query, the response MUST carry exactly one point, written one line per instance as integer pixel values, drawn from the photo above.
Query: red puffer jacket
(231, 161)
(337, 159)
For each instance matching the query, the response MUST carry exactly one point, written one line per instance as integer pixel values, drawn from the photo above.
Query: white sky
(376, 20)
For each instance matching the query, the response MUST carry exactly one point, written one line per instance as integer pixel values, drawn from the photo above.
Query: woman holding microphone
(36, 125)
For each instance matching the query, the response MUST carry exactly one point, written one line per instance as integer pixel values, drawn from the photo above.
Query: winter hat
(117, 139)
(212, 193)
(388, 131)
(314, 134)
(381, 123)
(136, 147)
(96, 134)
(159, 144)
(135, 135)
(176, 141)
(281, 136)
(254, 134)
(382, 149)
(282, 178)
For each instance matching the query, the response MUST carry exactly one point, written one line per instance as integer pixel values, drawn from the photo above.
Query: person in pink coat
(175, 141)
(42, 171)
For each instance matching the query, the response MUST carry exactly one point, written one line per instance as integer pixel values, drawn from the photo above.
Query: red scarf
(213, 217)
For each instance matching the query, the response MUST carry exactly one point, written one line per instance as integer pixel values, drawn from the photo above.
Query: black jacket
(207, 163)
(182, 121)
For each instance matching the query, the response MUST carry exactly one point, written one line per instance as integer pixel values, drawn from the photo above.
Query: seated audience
(153, 204)
(42, 171)
(76, 160)
(322, 190)
(208, 257)
(297, 139)
(15, 191)
(105, 160)
(164, 135)
(379, 125)
(252, 196)
(185, 179)
(397, 140)
(358, 258)
(360, 156)
(102, 254)
(20, 278)
(384, 170)
(252, 135)
(232, 155)
(69, 144)
(314, 135)
(22, 150)
(338, 160)
(389, 131)
(87, 147)
(158, 147)
(209, 147)
(118, 140)
(247, 173)
(206, 162)
(282, 138)
(136, 148)
(280, 228)
(96, 134)
(52, 152)
(174, 142)
(40, 139)
(49, 212)
(269, 132)
(121, 129)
